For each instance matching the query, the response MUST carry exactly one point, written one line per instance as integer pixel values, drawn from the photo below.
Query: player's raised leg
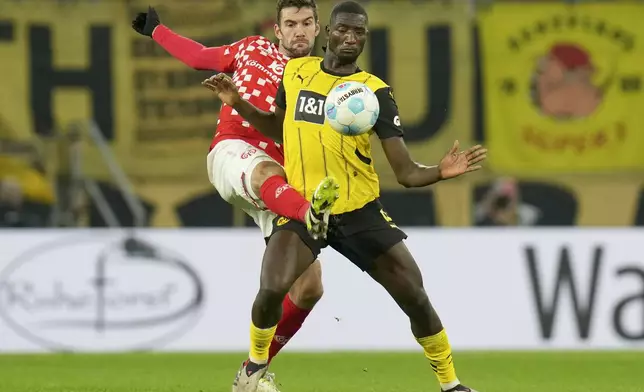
(286, 258)
(268, 181)
(397, 271)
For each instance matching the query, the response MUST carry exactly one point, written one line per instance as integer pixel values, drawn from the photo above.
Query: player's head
(347, 31)
(297, 26)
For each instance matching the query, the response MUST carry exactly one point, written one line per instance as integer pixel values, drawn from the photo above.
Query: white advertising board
(192, 289)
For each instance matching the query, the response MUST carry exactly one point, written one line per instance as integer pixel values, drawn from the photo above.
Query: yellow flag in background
(563, 87)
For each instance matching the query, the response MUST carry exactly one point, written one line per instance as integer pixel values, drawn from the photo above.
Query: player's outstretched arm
(270, 124)
(410, 173)
(189, 52)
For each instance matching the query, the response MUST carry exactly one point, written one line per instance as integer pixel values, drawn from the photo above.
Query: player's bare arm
(410, 173)
(270, 124)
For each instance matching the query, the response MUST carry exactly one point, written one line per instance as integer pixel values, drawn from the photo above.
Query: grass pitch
(337, 372)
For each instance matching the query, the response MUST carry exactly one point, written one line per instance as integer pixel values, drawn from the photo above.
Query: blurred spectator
(15, 211)
(10, 203)
(502, 206)
(26, 195)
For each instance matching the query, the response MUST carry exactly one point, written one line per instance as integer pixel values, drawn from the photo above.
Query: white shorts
(230, 165)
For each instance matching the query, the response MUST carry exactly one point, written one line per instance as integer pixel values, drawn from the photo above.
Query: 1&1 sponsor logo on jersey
(310, 107)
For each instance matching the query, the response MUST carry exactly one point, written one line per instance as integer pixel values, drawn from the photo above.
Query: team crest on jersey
(277, 67)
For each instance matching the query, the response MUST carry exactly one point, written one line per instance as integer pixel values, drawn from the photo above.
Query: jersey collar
(358, 70)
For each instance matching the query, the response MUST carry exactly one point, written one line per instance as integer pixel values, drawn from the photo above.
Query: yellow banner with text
(563, 87)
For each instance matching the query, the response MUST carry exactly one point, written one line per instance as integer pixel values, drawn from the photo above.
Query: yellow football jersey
(313, 150)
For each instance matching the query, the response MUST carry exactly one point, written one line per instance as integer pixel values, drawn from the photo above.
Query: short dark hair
(281, 4)
(348, 7)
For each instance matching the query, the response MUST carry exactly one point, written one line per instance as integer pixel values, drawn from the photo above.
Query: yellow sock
(260, 341)
(439, 353)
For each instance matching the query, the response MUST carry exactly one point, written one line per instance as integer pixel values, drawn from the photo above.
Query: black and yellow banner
(71, 62)
(563, 87)
(174, 114)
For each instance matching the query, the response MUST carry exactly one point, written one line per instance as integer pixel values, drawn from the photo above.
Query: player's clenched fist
(224, 87)
(145, 23)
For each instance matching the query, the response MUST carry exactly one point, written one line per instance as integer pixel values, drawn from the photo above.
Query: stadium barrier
(191, 290)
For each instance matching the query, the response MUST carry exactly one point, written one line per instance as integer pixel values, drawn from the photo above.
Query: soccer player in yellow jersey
(358, 228)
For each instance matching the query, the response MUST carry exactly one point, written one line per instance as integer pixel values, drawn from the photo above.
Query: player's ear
(278, 31)
(317, 29)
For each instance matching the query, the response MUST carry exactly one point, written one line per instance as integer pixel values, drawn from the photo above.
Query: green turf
(339, 372)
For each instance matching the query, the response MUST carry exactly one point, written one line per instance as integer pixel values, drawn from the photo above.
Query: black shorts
(361, 235)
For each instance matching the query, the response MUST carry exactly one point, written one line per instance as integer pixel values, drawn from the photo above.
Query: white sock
(450, 385)
(261, 361)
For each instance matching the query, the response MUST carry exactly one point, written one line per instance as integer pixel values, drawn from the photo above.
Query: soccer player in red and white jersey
(245, 166)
